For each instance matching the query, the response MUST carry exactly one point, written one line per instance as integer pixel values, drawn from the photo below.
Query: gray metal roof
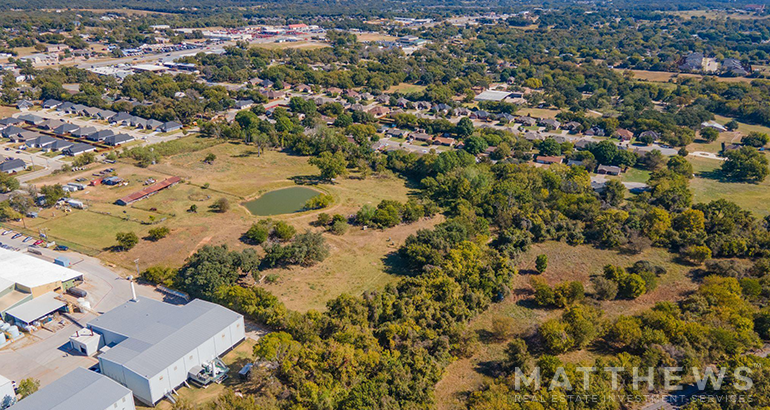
(36, 308)
(158, 334)
(80, 389)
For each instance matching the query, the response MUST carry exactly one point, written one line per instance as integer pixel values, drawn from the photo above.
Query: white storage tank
(13, 331)
(4, 327)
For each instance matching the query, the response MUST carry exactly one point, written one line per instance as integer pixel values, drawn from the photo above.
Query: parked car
(16, 236)
(77, 292)
(39, 242)
(7, 232)
(27, 239)
(61, 248)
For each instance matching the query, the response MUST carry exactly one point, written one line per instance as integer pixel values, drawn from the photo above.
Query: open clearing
(291, 44)
(665, 76)
(374, 37)
(565, 263)
(359, 259)
(752, 197)
(538, 112)
(406, 88)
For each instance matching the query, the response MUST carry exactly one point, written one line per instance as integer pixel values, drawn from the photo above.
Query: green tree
(27, 387)
(517, 355)
(160, 275)
(464, 127)
(709, 134)
(126, 240)
(8, 183)
(330, 165)
(555, 337)
(745, 164)
(541, 263)
(632, 286)
(158, 233)
(221, 205)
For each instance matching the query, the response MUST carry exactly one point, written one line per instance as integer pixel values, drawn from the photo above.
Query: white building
(7, 395)
(154, 345)
(80, 389)
(29, 286)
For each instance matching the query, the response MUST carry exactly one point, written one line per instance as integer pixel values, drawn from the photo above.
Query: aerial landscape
(390, 205)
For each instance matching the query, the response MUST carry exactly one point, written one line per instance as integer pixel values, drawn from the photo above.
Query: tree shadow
(307, 180)
(714, 174)
(394, 264)
(246, 154)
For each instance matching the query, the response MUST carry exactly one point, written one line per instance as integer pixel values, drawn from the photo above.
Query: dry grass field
(358, 259)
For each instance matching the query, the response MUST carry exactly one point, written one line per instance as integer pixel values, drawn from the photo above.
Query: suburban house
(547, 159)
(550, 124)
(13, 165)
(11, 131)
(121, 118)
(595, 132)
(65, 128)
(100, 135)
(170, 126)
(715, 125)
(624, 134)
(79, 148)
(448, 142)
(43, 142)
(50, 104)
(83, 132)
(10, 121)
(119, 139)
(655, 136)
(608, 170)
(60, 145)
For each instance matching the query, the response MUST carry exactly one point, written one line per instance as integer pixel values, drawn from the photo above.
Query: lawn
(565, 263)
(374, 37)
(291, 44)
(406, 88)
(753, 197)
(538, 112)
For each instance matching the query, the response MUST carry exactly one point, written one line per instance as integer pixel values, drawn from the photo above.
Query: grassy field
(753, 197)
(374, 37)
(564, 263)
(538, 112)
(358, 259)
(716, 14)
(664, 76)
(406, 88)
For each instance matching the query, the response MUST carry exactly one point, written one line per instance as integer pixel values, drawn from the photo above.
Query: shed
(36, 308)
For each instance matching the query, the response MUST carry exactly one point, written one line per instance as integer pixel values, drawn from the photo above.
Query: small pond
(281, 201)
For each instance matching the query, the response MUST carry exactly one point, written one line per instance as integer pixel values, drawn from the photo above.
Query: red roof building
(146, 192)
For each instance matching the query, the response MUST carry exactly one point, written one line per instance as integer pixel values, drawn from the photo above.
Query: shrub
(158, 233)
(283, 231)
(126, 240)
(319, 201)
(632, 286)
(541, 263)
(160, 275)
(258, 233)
(339, 227)
(502, 328)
(604, 289)
(221, 205)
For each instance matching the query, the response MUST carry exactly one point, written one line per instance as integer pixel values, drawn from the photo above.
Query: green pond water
(281, 201)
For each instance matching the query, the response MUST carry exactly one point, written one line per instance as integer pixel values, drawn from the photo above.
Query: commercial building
(153, 347)
(7, 393)
(29, 286)
(80, 389)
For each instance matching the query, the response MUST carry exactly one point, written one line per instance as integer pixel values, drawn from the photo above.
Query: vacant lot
(664, 76)
(705, 188)
(291, 44)
(406, 88)
(359, 259)
(538, 112)
(374, 37)
(565, 263)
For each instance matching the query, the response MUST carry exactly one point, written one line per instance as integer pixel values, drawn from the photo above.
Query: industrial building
(152, 347)
(7, 393)
(80, 389)
(29, 287)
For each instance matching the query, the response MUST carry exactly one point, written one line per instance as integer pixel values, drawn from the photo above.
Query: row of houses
(121, 118)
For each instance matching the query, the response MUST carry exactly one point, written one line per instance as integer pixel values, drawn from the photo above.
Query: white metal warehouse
(80, 389)
(153, 345)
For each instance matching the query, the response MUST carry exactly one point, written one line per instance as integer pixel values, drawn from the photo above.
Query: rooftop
(158, 334)
(80, 389)
(31, 272)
